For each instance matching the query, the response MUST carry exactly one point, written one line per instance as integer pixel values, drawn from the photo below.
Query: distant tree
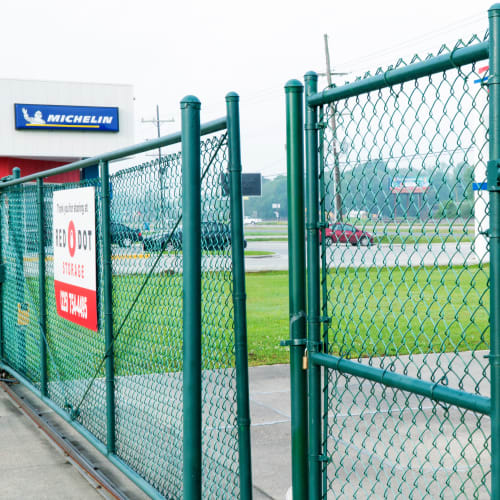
(273, 191)
(448, 210)
(466, 209)
(367, 187)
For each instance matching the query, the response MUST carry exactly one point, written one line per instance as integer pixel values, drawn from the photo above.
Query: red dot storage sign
(75, 256)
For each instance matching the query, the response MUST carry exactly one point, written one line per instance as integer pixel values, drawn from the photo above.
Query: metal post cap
(294, 86)
(190, 101)
(311, 75)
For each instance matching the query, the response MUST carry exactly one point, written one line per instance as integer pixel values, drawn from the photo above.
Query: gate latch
(493, 175)
(293, 342)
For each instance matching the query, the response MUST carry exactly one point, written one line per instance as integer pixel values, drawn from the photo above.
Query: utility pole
(336, 169)
(158, 123)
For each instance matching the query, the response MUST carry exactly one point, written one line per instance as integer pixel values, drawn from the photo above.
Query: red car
(339, 232)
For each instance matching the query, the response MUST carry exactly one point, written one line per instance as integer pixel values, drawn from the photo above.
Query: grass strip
(374, 311)
(257, 253)
(266, 239)
(378, 311)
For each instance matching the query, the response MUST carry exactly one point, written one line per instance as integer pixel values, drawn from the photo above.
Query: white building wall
(63, 144)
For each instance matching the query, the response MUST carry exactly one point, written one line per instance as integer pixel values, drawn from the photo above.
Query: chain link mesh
(405, 283)
(148, 351)
(20, 290)
(220, 433)
(146, 237)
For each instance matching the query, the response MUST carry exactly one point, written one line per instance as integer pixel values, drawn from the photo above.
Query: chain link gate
(400, 396)
(161, 388)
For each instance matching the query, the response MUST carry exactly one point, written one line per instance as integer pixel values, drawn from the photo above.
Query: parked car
(251, 220)
(123, 235)
(339, 232)
(214, 236)
(161, 241)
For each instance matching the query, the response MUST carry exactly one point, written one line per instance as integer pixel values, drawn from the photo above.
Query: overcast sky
(167, 50)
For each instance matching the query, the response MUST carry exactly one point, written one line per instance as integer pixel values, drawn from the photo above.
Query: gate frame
(316, 360)
(493, 179)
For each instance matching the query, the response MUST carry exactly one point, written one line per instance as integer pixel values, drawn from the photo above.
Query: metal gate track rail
(138, 480)
(432, 390)
(76, 458)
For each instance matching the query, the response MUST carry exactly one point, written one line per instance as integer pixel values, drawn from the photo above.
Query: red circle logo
(71, 238)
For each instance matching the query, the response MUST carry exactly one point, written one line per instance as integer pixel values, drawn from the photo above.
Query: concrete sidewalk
(31, 467)
(270, 431)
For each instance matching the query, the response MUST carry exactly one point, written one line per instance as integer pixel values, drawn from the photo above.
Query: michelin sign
(43, 117)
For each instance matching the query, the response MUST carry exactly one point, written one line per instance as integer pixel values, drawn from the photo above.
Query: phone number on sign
(74, 304)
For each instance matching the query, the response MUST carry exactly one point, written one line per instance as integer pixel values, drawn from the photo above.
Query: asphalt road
(135, 261)
(384, 255)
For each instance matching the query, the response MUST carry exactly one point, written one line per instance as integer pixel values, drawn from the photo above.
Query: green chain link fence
(127, 385)
(409, 291)
(401, 403)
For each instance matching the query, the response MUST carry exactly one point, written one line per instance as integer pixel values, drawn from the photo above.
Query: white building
(45, 124)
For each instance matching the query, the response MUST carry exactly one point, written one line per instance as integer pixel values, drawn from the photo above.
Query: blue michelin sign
(53, 117)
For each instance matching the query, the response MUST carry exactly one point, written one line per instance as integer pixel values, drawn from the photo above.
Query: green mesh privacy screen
(405, 284)
(147, 297)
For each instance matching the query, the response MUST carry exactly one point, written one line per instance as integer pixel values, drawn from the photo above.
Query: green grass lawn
(378, 311)
(375, 311)
(148, 340)
(271, 238)
(403, 238)
(421, 239)
(257, 253)
(266, 233)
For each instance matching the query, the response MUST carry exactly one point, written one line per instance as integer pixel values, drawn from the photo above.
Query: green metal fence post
(239, 297)
(108, 307)
(324, 285)
(297, 285)
(17, 232)
(41, 289)
(494, 233)
(191, 248)
(313, 289)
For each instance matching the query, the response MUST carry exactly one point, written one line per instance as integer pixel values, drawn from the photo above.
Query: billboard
(251, 184)
(409, 185)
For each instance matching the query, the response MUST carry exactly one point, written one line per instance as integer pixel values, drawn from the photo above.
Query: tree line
(368, 187)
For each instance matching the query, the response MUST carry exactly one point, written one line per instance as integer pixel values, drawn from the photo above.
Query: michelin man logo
(37, 119)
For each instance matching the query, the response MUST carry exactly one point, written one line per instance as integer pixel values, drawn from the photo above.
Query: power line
(394, 49)
(158, 123)
(267, 93)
